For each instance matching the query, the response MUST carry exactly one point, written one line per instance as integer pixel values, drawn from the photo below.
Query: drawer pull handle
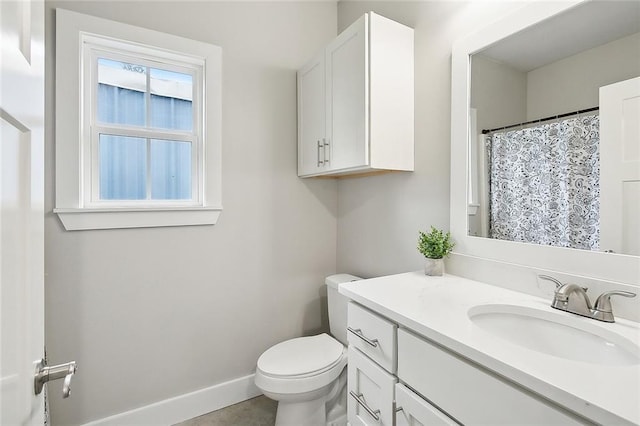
(358, 332)
(360, 400)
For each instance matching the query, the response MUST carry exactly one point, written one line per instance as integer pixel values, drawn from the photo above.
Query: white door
(620, 167)
(348, 97)
(21, 209)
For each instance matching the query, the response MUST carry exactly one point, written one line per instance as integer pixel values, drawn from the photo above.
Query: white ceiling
(581, 28)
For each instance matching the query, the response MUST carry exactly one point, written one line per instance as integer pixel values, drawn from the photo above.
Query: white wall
(379, 217)
(153, 313)
(563, 86)
(498, 92)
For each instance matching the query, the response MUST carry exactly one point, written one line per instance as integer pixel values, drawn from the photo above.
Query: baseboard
(187, 406)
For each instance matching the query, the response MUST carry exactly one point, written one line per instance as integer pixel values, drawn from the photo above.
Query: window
(145, 129)
(146, 126)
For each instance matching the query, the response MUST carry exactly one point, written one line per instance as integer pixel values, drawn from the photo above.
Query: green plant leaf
(436, 244)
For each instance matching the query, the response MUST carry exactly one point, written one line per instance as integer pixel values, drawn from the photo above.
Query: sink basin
(556, 333)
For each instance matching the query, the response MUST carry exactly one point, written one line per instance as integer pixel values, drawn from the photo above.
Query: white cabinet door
(620, 167)
(370, 392)
(468, 392)
(412, 410)
(348, 97)
(21, 210)
(311, 118)
(391, 93)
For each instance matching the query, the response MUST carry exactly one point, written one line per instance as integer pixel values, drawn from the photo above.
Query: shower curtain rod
(540, 120)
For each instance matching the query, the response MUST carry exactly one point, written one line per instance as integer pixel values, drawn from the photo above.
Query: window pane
(171, 96)
(123, 168)
(170, 170)
(121, 92)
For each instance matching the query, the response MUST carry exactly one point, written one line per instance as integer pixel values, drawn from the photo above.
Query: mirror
(546, 162)
(487, 253)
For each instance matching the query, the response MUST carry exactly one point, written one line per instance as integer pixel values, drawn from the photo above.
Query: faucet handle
(602, 308)
(557, 282)
(603, 302)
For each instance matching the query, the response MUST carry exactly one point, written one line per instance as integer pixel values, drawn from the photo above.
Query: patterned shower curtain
(544, 184)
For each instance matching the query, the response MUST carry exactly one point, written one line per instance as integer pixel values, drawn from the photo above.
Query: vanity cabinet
(355, 102)
(371, 369)
(371, 391)
(470, 393)
(397, 377)
(372, 335)
(375, 396)
(412, 410)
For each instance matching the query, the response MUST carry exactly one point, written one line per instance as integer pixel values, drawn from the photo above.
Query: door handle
(45, 374)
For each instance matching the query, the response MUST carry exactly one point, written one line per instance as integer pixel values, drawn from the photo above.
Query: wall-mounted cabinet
(355, 102)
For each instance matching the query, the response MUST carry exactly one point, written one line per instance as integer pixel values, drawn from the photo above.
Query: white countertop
(436, 307)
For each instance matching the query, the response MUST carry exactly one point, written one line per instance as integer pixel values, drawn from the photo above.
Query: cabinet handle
(326, 145)
(320, 161)
(360, 400)
(358, 333)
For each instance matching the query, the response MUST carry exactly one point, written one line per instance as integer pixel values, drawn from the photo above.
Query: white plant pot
(434, 267)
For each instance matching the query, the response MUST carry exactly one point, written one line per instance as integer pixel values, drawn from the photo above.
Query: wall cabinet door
(412, 410)
(312, 118)
(347, 91)
(370, 397)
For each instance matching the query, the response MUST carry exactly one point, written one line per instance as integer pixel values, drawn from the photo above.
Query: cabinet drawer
(470, 393)
(412, 410)
(370, 391)
(373, 335)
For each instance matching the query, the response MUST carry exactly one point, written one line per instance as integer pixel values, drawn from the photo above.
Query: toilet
(307, 375)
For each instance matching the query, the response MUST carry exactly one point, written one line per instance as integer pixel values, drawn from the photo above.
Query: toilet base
(323, 407)
(313, 412)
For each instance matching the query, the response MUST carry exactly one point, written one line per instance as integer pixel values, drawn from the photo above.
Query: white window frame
(98, 47)
(80, 40)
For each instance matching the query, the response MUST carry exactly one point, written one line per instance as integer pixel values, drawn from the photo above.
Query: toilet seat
(301, 365)
(301, 357)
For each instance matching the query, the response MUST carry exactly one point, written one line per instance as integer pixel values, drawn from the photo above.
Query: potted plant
(435, 246)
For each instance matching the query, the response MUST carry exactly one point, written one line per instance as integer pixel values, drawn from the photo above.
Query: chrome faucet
(573, 298)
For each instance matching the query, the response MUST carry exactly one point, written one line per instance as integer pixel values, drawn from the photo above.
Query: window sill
(76, 219)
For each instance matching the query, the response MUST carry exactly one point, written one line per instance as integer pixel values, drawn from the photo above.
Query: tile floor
(260, 411)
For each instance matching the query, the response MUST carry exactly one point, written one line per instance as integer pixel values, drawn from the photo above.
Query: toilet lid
(301, 356)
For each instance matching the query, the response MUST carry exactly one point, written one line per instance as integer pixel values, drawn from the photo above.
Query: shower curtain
(544, 184)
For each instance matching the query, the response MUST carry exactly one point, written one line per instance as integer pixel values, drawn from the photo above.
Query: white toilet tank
(338, 305)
